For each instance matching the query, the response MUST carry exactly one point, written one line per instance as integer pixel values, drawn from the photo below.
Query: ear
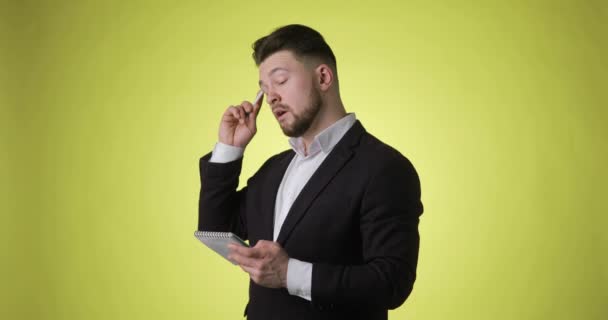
(325, 77)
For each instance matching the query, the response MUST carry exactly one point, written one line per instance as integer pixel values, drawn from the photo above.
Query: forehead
(279, 60)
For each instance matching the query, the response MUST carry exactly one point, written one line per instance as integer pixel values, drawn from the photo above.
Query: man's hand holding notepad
(218, 241)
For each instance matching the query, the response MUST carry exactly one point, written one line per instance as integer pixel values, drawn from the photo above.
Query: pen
(257, 99)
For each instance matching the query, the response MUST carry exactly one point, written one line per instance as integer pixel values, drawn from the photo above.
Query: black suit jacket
(356, 221)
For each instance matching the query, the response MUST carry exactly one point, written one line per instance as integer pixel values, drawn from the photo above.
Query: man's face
(290, 91)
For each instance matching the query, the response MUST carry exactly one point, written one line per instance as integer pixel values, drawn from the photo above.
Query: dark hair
(303, 41)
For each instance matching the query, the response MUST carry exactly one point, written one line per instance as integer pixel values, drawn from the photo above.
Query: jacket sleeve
(221, 207)
(389, 216)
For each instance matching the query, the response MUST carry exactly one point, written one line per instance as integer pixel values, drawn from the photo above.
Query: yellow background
(107, 106)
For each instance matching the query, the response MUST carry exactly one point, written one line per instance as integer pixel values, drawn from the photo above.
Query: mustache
(279, 105)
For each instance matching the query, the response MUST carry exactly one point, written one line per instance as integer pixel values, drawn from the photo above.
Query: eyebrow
(273, 71)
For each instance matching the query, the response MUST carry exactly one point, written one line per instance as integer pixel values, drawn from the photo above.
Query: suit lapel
(274, 181)
(330, 167)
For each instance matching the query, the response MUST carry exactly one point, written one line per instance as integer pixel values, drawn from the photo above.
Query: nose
(272, 97)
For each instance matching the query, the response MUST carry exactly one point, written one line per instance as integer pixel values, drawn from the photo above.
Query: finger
(252, 121)
(241, 250)
(243, 260)
(231, 113)
(231, 116)
(252, 271)
(246, 269)
(262, 244)
(254, 274)
(248, 107)
(242, 114)
(265, 248)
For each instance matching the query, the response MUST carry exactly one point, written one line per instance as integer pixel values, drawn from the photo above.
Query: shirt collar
(327, 139)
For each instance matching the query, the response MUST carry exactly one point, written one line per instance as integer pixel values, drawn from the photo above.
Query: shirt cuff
(223, 153)
(299, 278)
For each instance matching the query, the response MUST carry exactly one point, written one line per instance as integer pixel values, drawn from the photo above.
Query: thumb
(261, 244)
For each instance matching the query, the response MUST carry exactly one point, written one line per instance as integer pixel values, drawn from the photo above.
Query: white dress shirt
(300, 169)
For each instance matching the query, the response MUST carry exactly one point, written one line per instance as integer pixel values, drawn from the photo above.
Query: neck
(327, 116)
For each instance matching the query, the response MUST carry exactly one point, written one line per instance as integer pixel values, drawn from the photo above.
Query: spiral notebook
(218, 241)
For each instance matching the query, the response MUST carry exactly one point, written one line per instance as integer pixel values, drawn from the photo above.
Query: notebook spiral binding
(212, 234)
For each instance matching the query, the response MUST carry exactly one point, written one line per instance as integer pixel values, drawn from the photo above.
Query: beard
(304, 120)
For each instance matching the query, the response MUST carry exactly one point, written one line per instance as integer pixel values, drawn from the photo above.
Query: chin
(288, 132)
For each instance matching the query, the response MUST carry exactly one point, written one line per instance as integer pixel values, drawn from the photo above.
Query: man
(333, 223)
